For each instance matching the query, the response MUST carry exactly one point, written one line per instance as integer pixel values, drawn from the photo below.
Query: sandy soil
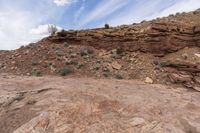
(86, 105)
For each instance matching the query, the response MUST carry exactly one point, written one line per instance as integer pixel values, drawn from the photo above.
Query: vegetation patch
(65, 72)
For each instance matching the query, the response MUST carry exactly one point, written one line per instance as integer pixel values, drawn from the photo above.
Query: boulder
(149, 80)
(180, 78)
(137, 121)
(116, 65)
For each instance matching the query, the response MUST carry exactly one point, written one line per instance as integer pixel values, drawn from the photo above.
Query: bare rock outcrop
(157, 37)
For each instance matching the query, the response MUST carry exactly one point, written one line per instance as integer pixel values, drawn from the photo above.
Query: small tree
(52, 29)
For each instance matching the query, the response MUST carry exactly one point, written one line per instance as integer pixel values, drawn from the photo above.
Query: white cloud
(14, 27)
(103, 9)
(19, 26)
(64, 2)
(40, 32)
(181, 6)
(78, 13)
(142, 12)
(37, 33)
(136, 12)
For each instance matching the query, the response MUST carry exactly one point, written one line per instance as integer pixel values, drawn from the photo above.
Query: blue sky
(24, 21)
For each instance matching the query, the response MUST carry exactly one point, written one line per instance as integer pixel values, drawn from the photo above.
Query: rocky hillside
(165, 50)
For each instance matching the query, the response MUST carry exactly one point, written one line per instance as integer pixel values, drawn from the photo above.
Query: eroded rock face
(157, 37)
(185, 73)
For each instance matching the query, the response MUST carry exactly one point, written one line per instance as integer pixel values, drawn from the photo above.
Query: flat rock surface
(88, 105)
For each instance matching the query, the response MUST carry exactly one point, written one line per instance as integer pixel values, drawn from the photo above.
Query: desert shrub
(119, 51)
(178, 29)
(196, 12)
(59, 53)
(31, 102)
(52, 29)
(107, 26)
(80, 66)
(74, 62)
(105, 74)
(22, 47)
(65, 71)
(34, 63)
(118, 76)
(37, 73)
(144, 21)
(178, 13)
(86, 50)
(62, 33)
(106, 69)
(66, 44)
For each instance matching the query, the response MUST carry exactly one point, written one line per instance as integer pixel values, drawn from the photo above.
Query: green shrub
(118, 76)
(34, 63)
(66, 44)
(107, 26)
(31, 102)
(65, 72)
(37, 73)
(106, 74)
(119, 51)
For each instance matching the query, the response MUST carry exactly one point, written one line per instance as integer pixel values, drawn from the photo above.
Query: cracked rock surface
(57, 105)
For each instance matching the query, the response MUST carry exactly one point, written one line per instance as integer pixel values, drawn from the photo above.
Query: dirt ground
(87, 105)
